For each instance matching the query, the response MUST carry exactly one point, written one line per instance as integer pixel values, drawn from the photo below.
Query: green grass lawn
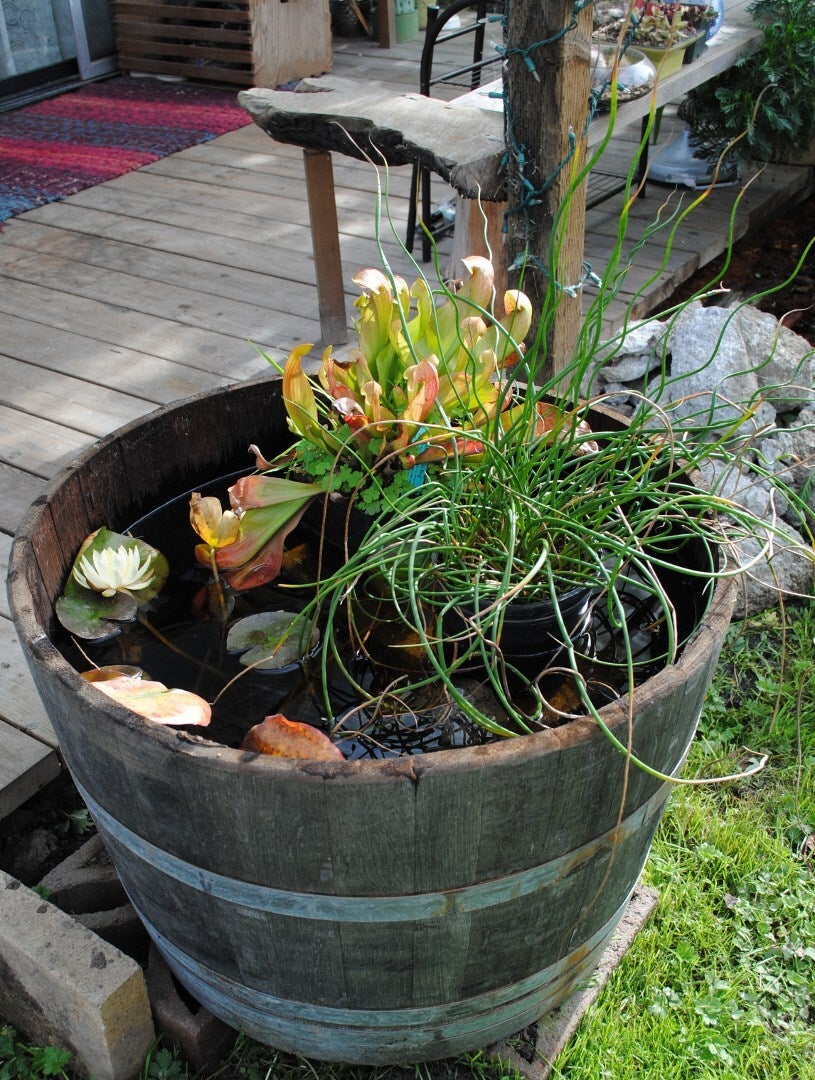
(721, 982)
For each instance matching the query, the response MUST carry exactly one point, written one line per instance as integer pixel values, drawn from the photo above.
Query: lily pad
(289, 738)
(112, 671)
(155, 701)
(272, 640)
(90, 615)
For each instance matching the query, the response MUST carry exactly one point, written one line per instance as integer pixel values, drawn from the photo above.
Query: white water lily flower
(110, 571)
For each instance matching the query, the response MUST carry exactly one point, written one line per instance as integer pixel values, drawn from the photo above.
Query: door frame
(88, 69)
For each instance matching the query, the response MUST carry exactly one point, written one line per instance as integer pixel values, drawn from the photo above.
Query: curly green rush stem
(626, 750)
(466, 706)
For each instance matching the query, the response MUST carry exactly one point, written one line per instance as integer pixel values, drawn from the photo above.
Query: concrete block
(61, 985)
(202, 1038)
(85, 881)
(86, 886)
(120, 927)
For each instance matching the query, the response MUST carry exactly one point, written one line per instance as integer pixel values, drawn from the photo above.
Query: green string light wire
(530, 194)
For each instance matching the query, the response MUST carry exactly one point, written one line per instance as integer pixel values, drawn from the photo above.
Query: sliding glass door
(95, 44)
(52, 43)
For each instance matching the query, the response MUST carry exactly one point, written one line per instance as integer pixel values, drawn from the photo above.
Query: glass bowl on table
(635, 75)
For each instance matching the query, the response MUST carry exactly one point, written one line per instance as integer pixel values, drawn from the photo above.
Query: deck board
(22, 705)
(37, 445)
(26, 766)
(56, 351)
(150, 287)
(114, 324)
(64, 400)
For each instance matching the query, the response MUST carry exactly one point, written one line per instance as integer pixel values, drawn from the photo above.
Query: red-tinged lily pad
(155, 701)
(272, 640)
(289, 738)
(112, 671)
(135, 572)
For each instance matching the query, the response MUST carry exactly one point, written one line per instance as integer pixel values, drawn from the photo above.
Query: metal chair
(433, 72)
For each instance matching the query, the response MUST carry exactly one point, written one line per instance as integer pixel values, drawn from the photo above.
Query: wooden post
(325, 239)
(546, 106)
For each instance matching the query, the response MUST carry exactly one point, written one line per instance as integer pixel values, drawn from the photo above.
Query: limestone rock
(710, 369)
(784, 361)
(790, 454)
(739, 484)
(630, 360)
(786, 569)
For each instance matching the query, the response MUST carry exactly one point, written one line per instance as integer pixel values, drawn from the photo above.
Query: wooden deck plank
(28, 755)
(75, 223)
(26, 766)
(270, 176)
(118, 325)
(268, 243)
(179, 304)
(99, 363)
(255, 162)
(211, 278)
(19, 489)
(702, 236)
(275, 219)
(22, 708)
(36, 445)
(230, 268)
(65, 400)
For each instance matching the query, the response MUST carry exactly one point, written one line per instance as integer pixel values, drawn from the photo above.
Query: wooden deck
(154, 286)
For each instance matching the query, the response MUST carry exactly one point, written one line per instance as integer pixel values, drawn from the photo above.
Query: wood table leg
(386, 20)
(325, 239)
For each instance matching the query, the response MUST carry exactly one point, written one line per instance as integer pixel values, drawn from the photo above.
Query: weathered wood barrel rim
(402, 910)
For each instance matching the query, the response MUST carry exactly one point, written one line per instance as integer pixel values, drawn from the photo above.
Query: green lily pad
(272, 640)
(90, 615)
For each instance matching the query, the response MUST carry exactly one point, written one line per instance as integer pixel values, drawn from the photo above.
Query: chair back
(465, 72)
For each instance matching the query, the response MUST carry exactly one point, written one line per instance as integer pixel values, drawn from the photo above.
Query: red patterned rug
(78, 139)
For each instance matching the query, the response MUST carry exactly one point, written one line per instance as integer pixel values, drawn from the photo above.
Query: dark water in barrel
(181, 650)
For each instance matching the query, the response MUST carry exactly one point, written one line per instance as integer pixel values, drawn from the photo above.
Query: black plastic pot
(530, 635)
(336, 528)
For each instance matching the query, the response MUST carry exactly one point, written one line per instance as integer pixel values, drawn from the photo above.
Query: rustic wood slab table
(460, 143)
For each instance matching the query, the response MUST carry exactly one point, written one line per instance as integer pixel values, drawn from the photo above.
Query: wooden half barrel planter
(370, 911)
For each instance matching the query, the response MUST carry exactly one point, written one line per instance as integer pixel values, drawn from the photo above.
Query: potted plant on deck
(447, 853)
(665, 32)
(763, 108)
(331, 903)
